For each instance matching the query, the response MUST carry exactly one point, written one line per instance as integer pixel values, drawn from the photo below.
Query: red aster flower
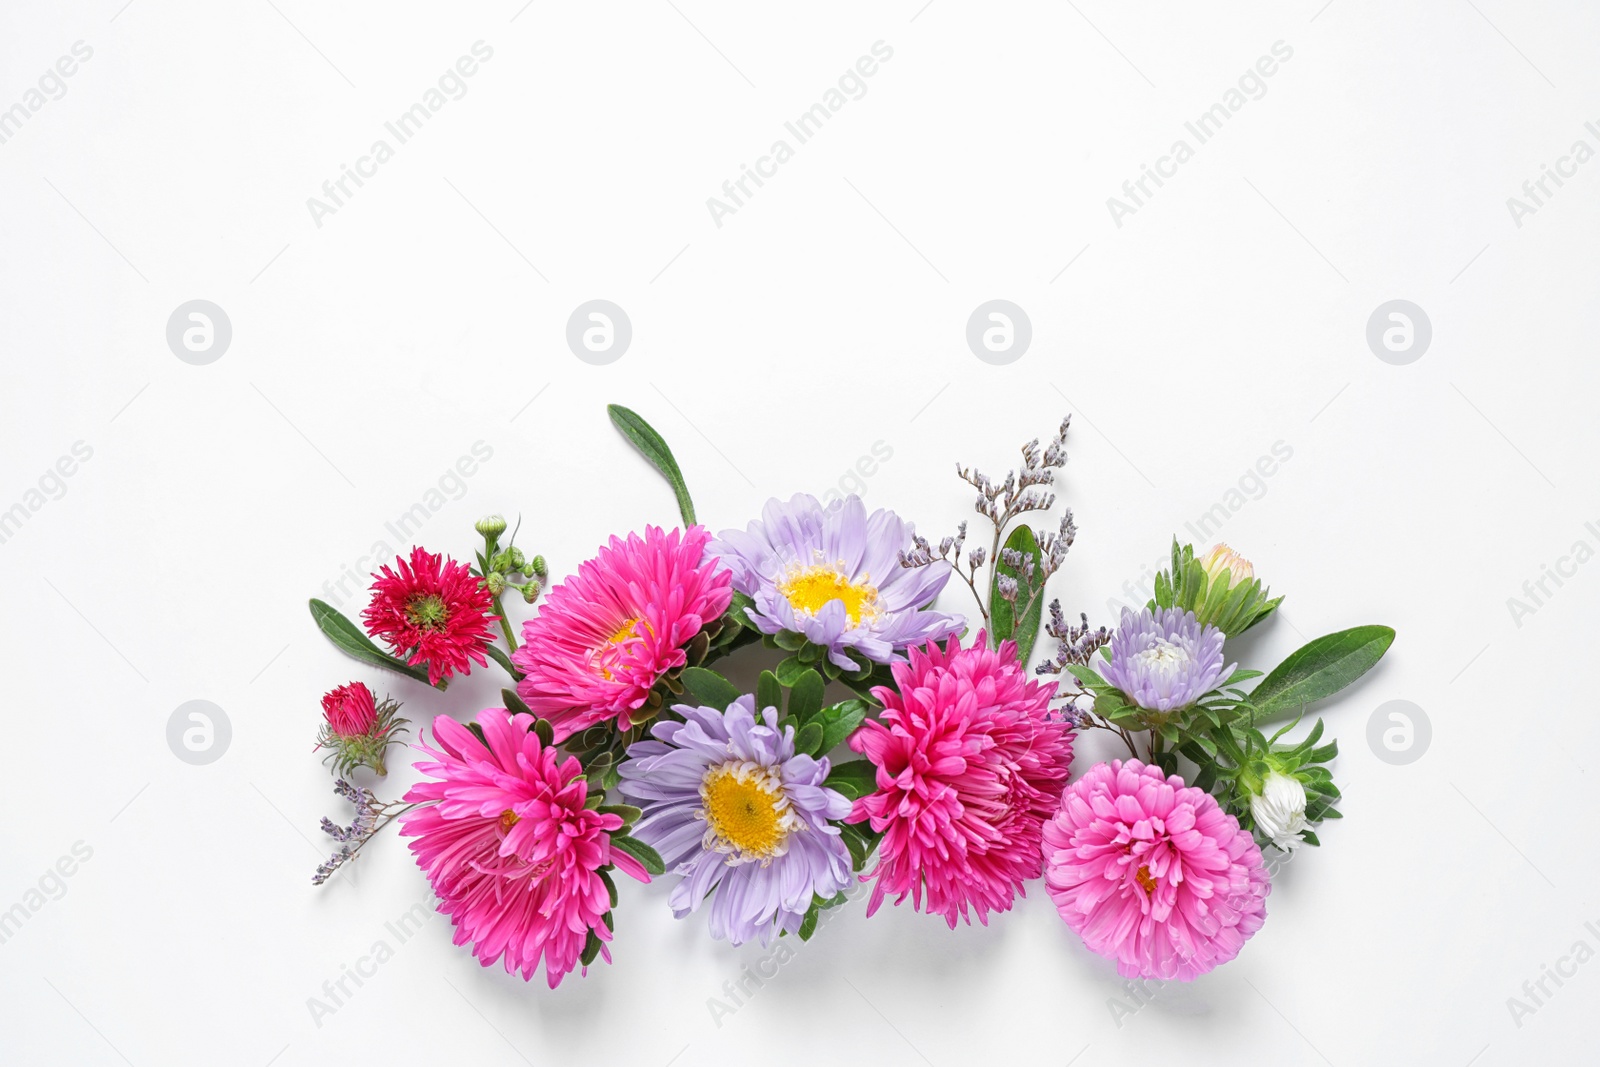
(431, 611)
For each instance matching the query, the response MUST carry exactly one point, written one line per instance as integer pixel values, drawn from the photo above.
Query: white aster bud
(1280, 810)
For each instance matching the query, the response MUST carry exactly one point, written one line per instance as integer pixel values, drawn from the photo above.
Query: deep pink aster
(350, 710)
(431, 610)
(1153, 873)
(510, 849)
(607, 634)
(970, 764)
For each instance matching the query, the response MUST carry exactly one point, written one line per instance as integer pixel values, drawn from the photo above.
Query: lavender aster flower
(1166, 660)
(735, 812)
(832, 575)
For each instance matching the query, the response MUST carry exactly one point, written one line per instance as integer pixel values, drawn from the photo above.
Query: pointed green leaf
(648, 857)
(708, 688)
(1320, 668)
(349, 639)
(505, 662)
(809, 739)
(654, 449)
(805, 695)
(1024, 630)
(854, 779)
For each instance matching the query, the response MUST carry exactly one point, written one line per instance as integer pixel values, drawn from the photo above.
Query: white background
(826, 315)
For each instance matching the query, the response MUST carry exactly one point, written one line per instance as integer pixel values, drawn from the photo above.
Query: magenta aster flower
(970, 765)
(356, 729)
(1153, 873)
(432, 610)
(510, 848)
(740, 817)
(833, 576)
(1165, 660)
(607, 634)
(350, 710)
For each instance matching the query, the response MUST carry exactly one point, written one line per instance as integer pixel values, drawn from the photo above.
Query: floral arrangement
(889, 743)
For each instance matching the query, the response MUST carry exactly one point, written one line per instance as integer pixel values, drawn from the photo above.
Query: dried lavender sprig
(363, 828)
(1075, 644)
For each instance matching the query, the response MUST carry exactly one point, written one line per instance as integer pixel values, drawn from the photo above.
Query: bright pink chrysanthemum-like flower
(350, 710)
(511, 851)
(432, 610)
(607, 634)
(970, 764)
(1153, 873)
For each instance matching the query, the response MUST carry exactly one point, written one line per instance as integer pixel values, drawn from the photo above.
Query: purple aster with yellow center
(1164, 660)
(832, 575)
(740, 817)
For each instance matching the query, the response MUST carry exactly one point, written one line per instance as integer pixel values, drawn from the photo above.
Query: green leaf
(349, 639)
(1025, 631)
(629, 813)
(808, 925)
(514, 703)
(1320, 668)
(648, 442)
(840, 721)
(648, 857)
(854, 779)
(591, 948)
(736, 611)
(809, 739)
(505, 661)
(805, 696)
(708, 688)
(789, 671)
(769, 694)
(861, 840)
(611, 886)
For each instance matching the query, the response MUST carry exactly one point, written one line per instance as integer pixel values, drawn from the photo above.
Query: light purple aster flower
(833, 576)
(1166, 660)
(734, 811)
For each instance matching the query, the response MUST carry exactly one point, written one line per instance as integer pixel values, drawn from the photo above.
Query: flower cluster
(883, 743)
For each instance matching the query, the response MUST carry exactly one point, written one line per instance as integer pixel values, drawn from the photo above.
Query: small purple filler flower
(734, 811)
(833, 576)
(1164, 661)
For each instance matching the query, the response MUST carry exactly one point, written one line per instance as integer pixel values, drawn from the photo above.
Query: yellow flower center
(746, 813)
(1142, 875)
(508, 819)
(623, 632)
(605, 652)
(809, 589)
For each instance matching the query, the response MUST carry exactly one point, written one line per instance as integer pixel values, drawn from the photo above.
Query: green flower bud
(539, 567)
(496, 583)
(516, 558)
(530, 592)
(491, 526)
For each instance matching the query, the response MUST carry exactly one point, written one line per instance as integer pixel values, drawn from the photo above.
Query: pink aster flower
(431, 610)
(516, 859)
(1153, 873)
(607, 634)
(970, 765)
